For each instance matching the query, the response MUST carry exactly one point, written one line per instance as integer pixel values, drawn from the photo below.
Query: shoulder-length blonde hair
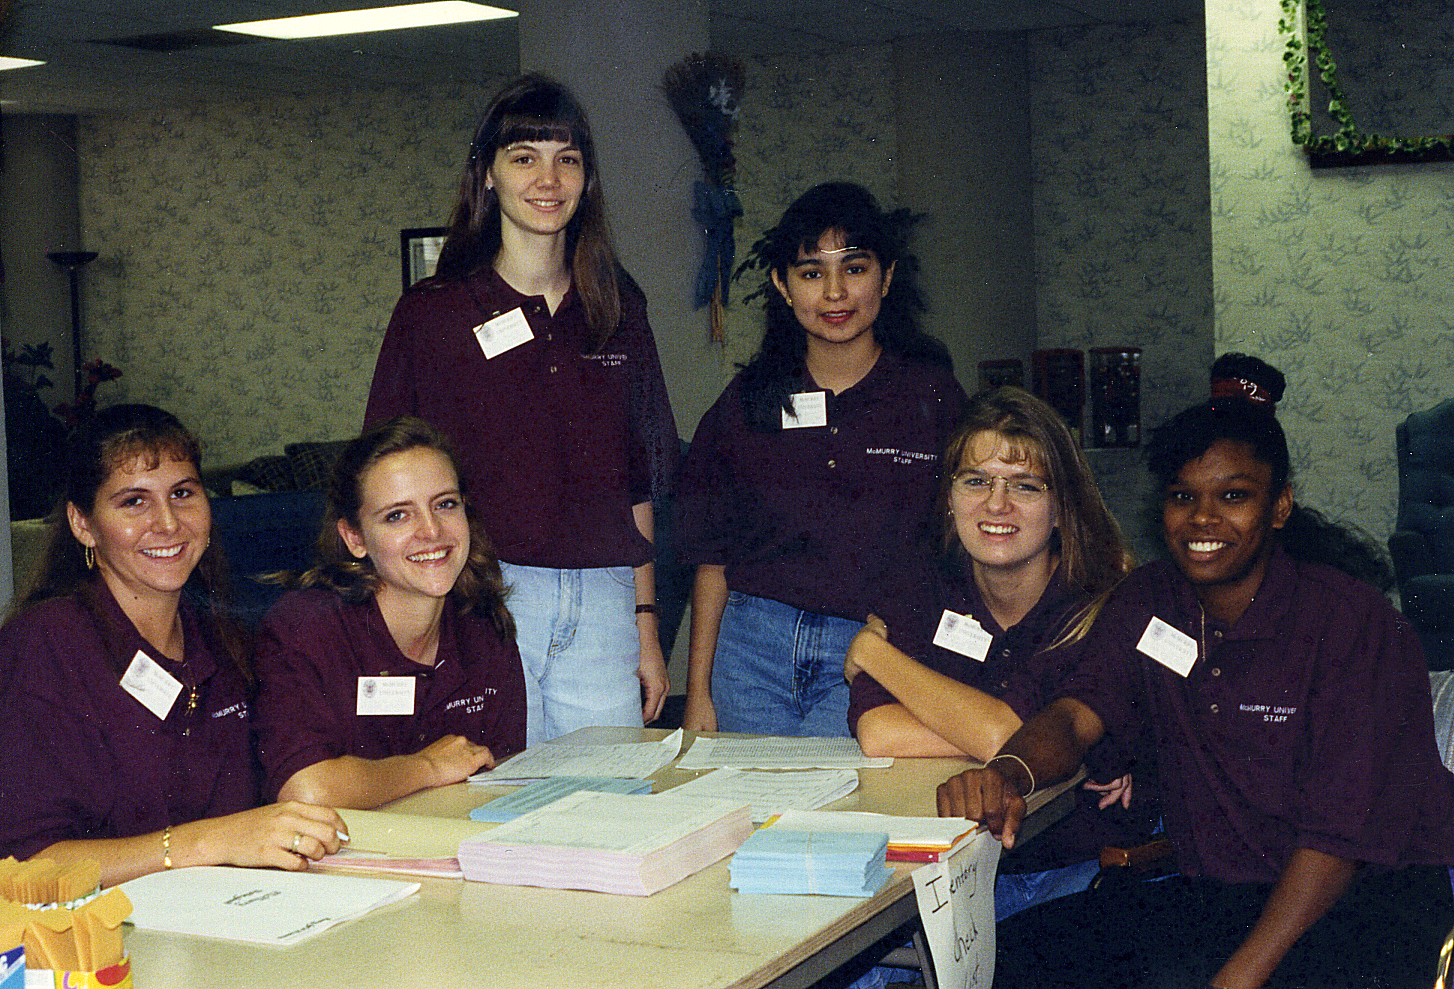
(1093, 555)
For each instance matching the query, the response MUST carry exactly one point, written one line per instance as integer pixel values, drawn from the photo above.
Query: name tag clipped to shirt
(810, 408)
(495, 336)
(153, 686)
(1170, 647)
(962, 634)
(385, 695)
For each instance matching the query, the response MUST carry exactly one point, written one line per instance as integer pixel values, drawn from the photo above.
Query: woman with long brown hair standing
(531, 349)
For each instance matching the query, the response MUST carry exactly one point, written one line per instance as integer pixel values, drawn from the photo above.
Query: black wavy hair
(771, 376)
(1308, 535)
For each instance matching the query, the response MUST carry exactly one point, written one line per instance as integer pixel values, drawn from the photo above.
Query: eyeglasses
(976, 487)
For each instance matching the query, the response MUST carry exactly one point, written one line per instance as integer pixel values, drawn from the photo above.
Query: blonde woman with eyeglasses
(955, 663)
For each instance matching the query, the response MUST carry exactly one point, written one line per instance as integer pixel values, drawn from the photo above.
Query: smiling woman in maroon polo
(809, 484)
(393, 667)
(124, 720)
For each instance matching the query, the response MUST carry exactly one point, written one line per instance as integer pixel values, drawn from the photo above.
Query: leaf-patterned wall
(1341, 277)
(250, 252)
(1122, 239)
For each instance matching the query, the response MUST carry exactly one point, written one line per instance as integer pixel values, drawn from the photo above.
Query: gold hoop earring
(90, 555)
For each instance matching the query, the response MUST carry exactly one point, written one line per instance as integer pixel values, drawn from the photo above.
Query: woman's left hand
(1111, 792)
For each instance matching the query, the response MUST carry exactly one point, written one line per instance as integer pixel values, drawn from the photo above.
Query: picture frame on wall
(419, 251)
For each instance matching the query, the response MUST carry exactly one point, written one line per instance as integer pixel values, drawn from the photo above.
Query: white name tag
(962, 634)
(503, 333)
(385, 695)
(1170, 647)
(149, 683)
(810, 408)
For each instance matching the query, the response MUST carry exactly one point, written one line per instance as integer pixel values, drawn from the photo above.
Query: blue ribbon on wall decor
(714, 208)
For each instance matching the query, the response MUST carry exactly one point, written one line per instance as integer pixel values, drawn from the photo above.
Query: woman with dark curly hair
(809, 483)
(392, 667)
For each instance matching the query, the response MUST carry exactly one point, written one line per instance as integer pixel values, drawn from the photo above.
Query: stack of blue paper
(829, 863)
(504, 809)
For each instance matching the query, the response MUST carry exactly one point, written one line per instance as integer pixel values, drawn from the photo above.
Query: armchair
(1422, 544)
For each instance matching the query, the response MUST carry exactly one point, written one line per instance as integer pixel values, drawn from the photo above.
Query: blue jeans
(1019, 891)
(577, 635)
(779, 670)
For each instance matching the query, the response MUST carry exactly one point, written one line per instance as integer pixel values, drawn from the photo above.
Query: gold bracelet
(167, 847)
(1022, 762)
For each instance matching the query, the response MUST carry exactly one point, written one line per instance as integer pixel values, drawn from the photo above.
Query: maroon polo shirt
(1020, 670)
(821, 518)
(1307, 724)
(313, 647)
(84, 759)
(556, 444)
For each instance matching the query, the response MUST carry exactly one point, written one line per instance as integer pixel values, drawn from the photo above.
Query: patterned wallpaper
(805, 120)
(1122, 242)
(250, 255)
(1341, 277)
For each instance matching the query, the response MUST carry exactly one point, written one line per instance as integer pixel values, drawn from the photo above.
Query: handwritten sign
(957, 905)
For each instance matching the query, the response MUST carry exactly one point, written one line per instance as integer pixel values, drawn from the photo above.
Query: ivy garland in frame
(1348, 146)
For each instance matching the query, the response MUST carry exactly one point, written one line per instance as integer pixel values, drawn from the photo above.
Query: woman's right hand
(284, 836)
(454, 759)
(873, 632)
(699, 713)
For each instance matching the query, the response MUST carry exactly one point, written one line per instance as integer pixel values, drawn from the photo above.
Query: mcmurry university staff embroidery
(900, 456)
(1269, 712)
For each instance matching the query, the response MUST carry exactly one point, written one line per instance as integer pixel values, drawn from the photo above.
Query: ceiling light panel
(401, 17)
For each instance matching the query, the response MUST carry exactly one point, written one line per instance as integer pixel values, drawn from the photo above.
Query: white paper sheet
(779, 753)
(771, 793)
(621, 760)
(612, 822)
(957, 907)
(259, 905)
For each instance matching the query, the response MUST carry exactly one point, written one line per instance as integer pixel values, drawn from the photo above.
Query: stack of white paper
(779, 753)
(254, 904)
(619, 760)
(833, 864)
(772, 792)
(608, 842)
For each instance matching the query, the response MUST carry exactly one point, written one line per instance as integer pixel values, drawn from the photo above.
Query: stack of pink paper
(608, 842)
